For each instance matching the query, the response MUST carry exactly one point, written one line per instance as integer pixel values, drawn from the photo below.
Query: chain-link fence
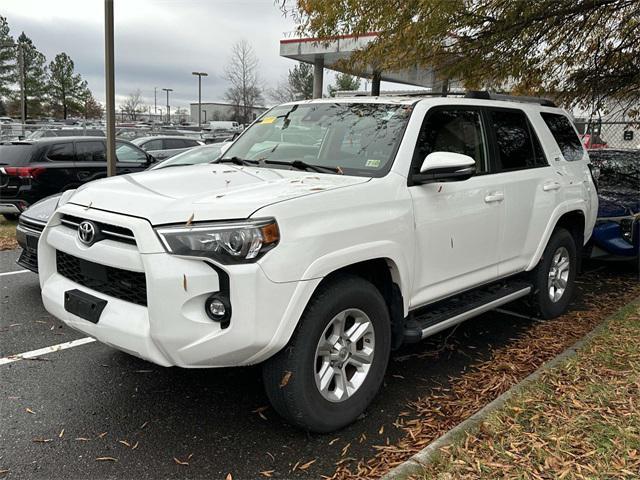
(603, 134)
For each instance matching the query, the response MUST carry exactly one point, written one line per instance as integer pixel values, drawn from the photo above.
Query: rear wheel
(554, 276)
(335, 362)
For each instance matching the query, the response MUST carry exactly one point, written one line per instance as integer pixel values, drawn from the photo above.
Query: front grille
(29, 259)
(34, 225)
(112, 232)
(115, 282)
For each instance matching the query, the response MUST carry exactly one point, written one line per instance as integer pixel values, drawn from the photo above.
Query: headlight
(227, 242)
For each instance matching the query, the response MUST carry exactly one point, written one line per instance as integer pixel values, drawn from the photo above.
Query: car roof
(525, 103)
(71, 138)
(155, 137)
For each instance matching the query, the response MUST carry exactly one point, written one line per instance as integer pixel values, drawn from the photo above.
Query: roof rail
(486, 95)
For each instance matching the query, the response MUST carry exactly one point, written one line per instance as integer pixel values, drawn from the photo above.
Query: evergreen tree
(344, 82)
(7, 59)
(35, 79)
(67, 90)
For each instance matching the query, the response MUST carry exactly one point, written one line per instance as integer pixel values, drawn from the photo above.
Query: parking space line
(45, 350)
(14, 273)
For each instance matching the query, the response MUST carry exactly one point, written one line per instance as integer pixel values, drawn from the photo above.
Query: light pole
(110, 87)
(200, 75)
(168, 107)
(155, 100)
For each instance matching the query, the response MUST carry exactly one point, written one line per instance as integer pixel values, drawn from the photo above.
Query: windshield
(359, 138)
(194, 156)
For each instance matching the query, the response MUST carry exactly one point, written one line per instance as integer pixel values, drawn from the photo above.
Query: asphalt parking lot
(93, 412)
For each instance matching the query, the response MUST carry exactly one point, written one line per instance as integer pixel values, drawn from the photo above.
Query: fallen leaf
(267, 473)
(135, 446)
(42, 440)
(102, 435)
(106, 459)
(124, 442)
(228, 477)
(307, 465)
(61, 433)
(180, 462)
(144, 425)
(28, 410)
(190, 219)
(285, 379)
(82, 439)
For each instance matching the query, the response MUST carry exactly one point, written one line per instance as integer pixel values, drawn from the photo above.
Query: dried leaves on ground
(580, 420)
(444, 407)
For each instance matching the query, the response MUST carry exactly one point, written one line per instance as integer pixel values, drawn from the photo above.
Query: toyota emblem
(87, 232)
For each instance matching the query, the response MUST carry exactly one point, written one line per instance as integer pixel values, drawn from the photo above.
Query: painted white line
(45, 350)
(14, 273)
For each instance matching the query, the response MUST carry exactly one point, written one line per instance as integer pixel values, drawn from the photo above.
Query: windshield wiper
(300, 165)
(237, 161)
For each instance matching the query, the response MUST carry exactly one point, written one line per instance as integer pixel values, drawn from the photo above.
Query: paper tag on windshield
(268, 120)
(372, 163)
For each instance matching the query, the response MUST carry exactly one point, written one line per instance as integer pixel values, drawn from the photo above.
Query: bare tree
(242, 72)
(132, 105)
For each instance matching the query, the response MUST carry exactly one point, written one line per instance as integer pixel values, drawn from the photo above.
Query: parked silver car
(165, 146)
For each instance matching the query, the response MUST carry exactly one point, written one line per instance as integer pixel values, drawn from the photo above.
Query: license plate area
(84, 305)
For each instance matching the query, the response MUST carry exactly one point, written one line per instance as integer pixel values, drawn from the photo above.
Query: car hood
(618, 202)
(203, 192)
(42, 210)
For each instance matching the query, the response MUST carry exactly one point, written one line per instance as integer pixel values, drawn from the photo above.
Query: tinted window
(18, 154)
(190, 143)
(452, 130)
(170, 143)
(518, 147)
(128, 153)
(90, 152)
(152, 145)
(565, 136)
(61, 152)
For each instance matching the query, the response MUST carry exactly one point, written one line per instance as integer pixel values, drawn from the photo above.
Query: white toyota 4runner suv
(331, 232)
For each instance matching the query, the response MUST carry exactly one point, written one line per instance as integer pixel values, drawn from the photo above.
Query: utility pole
(200, 75)
(110, 87)
(23, 100)
(168, 107)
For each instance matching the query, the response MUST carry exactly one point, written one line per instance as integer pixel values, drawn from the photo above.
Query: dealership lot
(65, 410)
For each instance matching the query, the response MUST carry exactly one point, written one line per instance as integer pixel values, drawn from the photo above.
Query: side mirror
(445, 167)
(150, 159)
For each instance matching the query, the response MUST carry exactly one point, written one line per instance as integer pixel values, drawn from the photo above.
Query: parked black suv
(33, 169)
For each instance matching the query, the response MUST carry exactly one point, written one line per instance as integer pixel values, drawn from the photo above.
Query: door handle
(494, 197)
(548, 187)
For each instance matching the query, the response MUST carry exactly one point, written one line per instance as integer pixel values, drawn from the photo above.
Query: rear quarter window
(16, 154)
(564, 135)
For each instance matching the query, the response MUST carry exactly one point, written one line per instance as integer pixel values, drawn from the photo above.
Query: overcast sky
(158, 43)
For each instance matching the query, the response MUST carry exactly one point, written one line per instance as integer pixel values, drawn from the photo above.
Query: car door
(60, 172)
(532, 187)
(457, 224)
(91, 162)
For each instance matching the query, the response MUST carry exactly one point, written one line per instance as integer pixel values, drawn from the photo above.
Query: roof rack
(486, 95)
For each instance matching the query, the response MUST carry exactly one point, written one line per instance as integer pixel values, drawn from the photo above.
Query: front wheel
(554, 276)
(335, 362)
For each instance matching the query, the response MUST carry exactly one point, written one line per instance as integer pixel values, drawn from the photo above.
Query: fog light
(218, 308)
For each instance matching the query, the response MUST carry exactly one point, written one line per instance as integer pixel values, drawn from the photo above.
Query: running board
(449, 312)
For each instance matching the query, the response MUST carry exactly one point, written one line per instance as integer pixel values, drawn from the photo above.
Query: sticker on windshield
(372, 163)
(268, 120)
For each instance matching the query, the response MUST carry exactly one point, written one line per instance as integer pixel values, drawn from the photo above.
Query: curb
(415, 464)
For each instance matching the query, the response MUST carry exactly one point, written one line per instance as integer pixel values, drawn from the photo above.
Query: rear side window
(170, 143)
(61, 152)
(90, 151)
(152, 145)
(517, 144)
(15, 155)
(565, 136)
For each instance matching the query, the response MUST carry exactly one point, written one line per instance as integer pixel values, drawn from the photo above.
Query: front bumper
(173, 328)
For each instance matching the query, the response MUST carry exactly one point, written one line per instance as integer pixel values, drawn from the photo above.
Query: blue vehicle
(616, 235)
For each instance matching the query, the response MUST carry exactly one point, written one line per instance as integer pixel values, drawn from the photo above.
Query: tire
(12, 217)
(291, 376)
(551, 277)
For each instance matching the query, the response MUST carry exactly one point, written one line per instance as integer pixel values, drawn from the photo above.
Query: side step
(446, 313)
